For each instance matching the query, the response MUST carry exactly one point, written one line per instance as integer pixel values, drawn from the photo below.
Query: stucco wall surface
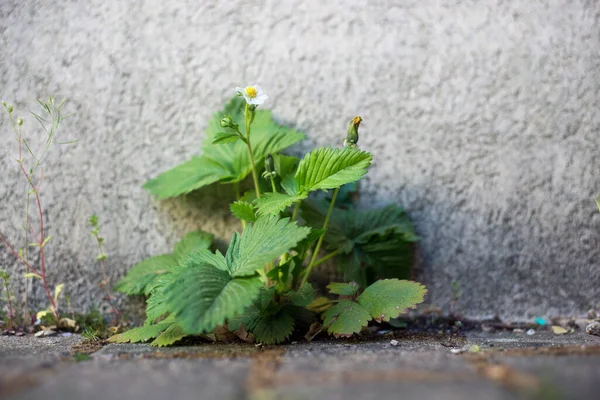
(483, 117)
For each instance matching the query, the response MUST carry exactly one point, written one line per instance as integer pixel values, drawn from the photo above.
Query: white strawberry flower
(253, 94)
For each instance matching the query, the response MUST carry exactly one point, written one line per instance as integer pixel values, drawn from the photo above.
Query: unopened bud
(269, 167)
(352, 137)
(227, 122)
(20, 121)
(9, 108)
(3, 104)
(252, 111)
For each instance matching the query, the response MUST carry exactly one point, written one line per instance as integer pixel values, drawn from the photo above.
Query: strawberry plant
(261, 286)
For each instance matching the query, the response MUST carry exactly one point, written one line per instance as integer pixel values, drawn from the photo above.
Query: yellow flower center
(251, 92)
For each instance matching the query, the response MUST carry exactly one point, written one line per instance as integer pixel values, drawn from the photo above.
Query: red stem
(41, 241)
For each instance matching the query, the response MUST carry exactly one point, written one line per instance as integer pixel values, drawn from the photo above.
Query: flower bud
(352, 137)
(227, 122)
(10, 109)
(252, 111)
(270, 164)
(20, 121)
(3, 104)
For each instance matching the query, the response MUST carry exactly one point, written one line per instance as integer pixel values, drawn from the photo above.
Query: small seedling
(30, 164)
(260, 287)
(105, 284)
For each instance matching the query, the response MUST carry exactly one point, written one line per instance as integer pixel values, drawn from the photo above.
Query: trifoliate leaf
(273, 203)
(373, 244)
(169, 336)
(343, 289)
(141, 334)
(345, 318)
(243, 210)
(225, 162)
(329, 168)
(302, 297)
(389, 298)
(202, 297)
(261, 242)
(225, 137)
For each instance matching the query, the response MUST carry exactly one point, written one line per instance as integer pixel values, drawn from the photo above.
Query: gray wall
(482, 115)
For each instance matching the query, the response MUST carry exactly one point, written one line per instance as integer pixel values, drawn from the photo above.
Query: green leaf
(389, 298)
(329, 168)
(285, 165)
(261, 242)
(192, 242)
(345, 318)
(303, 297)
(187, 177)
(225, 162)
(343, 289)
(269, 322)
(169, 336)
(202, 297)
(273, 203)
(225, 137)
(141, 277)
(140, 334)
(156, 305)
(373, 243)
(243, 210)
(271, 329)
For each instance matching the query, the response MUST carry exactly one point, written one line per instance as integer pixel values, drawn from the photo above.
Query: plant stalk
(251, 153)
(320, 242)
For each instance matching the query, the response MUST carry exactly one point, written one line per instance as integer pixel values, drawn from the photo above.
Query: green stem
(254, 174)
(236, 185)
(296, 207)
(320, 242)
(273, 185)
(327, 257)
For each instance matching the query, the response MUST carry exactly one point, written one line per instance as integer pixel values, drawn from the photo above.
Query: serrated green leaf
(192, 242)
(273, 328)
(187, 177)
(285, 165)
(140, 278)
(225, 137)
(372, 243)
(329, 168)
(156, 305)
(202, 297)
(225, 162)
(243, 210)
(261, 242)
(216, 259)
(273, 203)
(169, 336)
(345, 318)
(140, 334)
(388, 298)
(268, 321)
(343, 289)
(302, 297)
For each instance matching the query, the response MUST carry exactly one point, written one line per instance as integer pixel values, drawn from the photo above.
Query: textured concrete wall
(483, 117)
